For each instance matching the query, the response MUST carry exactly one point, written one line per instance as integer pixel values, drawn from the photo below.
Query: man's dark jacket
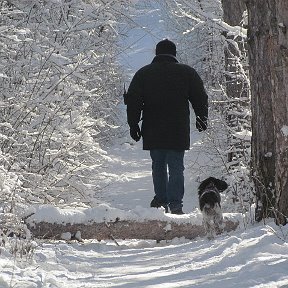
(161, 92)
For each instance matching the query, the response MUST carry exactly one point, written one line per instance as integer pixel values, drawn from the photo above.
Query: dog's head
(211, 183)
(209, 194)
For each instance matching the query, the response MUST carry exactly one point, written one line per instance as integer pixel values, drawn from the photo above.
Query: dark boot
(156, 204)
(178, 211)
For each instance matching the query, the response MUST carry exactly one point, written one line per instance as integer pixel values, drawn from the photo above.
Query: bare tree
(237, 81)
(58, 80)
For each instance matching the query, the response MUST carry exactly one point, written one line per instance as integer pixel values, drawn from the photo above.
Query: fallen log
(152, 229)
(105, 222)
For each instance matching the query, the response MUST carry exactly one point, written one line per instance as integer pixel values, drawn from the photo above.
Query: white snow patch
(2, 75)
(284, 130)
(168, 227)
(66, 236)
(268, 155)
(243, 135)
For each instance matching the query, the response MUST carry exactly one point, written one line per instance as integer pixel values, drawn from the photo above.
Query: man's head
(166, 47)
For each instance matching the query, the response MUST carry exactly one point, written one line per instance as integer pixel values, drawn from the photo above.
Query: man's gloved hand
(201, 125)
(135, 133)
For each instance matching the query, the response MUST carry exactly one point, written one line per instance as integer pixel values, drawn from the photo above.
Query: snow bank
(256, 257)
(105, 213)
(102, 213)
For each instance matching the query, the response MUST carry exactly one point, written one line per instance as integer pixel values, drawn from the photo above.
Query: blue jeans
(169, 190)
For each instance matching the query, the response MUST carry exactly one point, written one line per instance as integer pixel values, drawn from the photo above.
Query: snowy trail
(131, 181)
(254, 258)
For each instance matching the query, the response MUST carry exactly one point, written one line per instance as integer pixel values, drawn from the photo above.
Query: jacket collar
(164, 58)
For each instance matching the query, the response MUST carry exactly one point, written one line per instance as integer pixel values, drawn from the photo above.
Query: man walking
(159, 95)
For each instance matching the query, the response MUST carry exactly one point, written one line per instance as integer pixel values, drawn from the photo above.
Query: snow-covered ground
(131, 166)
(256, 257)
(253, 257)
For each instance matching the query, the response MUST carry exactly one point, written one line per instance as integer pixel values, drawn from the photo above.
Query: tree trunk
(279, 69)
(151, 229)
(263, 146)
(233, 11)
(268, 59)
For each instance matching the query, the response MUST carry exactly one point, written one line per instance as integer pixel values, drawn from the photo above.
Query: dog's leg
(209, 226)
(205, 222)
(218, 220)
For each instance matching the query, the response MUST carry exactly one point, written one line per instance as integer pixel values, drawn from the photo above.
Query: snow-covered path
(254, 258)
(131, 181)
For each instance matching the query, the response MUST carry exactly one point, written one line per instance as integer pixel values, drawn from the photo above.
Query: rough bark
(279, 65)
(263, 134)
(268, 49)
(233, 11)
(153, 229)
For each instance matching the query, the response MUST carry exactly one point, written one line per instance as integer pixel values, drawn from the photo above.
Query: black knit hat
(166, 47)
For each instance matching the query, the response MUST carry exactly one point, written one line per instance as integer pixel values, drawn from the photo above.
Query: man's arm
(199, 100)
(134, 102)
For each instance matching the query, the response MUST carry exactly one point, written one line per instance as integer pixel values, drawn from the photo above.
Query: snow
(285, 130)
(130, 190)
(255, 256)
(243, 135)
(104, 212)
(268, 155)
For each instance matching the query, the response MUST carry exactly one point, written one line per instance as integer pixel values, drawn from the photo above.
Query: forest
(62, 77)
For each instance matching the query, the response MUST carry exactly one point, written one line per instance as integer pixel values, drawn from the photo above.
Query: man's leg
(160, 177)
(175, 189)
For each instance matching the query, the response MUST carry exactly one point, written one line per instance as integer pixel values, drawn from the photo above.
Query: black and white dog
(210, 204)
